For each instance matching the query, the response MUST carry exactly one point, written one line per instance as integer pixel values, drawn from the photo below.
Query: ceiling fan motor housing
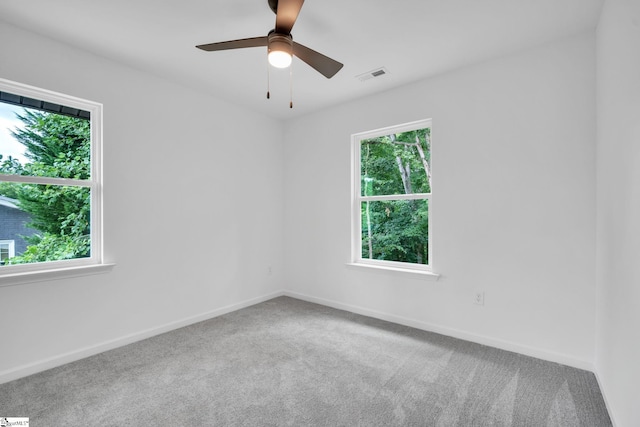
(280, 42)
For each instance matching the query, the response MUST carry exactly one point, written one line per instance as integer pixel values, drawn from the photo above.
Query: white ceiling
(413, 39)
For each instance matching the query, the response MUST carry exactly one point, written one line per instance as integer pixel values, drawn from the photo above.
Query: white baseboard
(42, 365)
(455, 333)
(52, 362)
(604, 397)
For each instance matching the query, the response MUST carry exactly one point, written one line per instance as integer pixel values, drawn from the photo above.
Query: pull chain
(291, 84)
(268, 78)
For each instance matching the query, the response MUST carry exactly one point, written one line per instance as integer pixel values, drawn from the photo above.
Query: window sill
(13, 279)
(429, 275)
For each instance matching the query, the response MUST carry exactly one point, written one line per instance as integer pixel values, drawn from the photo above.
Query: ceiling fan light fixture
(280, 48)
(279, 59)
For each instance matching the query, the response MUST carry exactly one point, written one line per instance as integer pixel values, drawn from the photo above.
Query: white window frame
(72, 267)
(11, 244)
(357, 198)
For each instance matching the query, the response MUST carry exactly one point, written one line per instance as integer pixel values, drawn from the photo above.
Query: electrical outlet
(478, 298)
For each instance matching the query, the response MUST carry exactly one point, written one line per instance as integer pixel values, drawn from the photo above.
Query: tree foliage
(396, 230)
(56, 146)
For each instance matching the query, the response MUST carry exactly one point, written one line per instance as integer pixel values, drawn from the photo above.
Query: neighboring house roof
(8, 202)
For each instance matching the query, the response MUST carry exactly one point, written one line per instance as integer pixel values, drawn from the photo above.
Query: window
(50, 180)
(7, 250)
(392, 196)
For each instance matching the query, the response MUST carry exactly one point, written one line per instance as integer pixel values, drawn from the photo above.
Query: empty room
(288, 212)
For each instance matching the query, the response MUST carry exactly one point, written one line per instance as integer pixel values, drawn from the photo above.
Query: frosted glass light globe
(279, 59)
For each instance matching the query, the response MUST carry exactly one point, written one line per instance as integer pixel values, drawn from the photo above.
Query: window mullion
(416, 196)
(25, 179)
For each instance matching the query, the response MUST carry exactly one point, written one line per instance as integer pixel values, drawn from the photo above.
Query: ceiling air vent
(378, 72)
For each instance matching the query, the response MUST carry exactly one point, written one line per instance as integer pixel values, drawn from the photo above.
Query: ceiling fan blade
(234, 44)
(287, 14)
(322, 64)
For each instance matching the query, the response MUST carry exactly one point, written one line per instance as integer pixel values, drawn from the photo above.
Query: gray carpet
(287, 362)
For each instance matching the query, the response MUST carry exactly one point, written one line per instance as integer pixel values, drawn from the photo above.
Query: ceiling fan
(280, 44)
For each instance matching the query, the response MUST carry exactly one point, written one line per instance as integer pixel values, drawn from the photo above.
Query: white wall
(513, 205)
(513, 214)
(183, 174)
(618, 224)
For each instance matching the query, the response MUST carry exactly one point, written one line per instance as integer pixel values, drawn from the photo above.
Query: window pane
(396, 230)
(396, 164)
(47, 222)
(37, 143)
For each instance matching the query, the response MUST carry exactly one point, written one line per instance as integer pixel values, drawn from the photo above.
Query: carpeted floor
(287, 362)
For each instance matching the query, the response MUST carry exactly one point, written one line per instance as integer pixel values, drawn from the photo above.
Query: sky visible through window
(8, 122)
